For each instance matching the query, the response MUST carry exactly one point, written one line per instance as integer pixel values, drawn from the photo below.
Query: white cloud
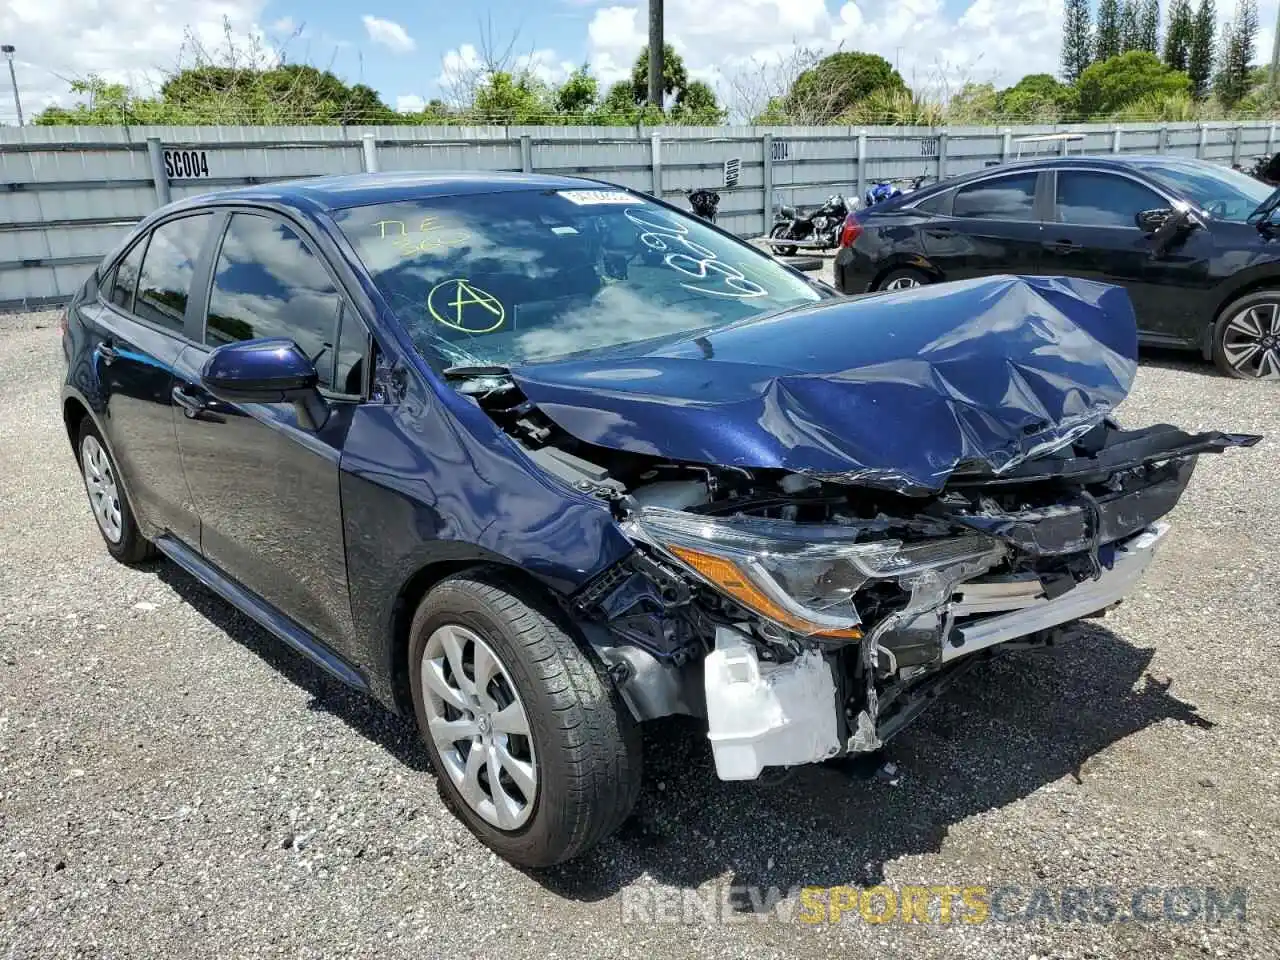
(410, 103)
(135, 43)
(389, 34)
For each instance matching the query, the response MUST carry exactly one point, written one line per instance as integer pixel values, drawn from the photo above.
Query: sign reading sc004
(183, 164)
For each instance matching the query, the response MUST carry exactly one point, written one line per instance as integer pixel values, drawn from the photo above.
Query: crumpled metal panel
(892, 391)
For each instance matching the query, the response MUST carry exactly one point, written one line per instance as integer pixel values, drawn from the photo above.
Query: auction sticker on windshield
(587, 198)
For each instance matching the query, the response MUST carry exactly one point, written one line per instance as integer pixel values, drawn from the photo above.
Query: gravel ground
(175, 783)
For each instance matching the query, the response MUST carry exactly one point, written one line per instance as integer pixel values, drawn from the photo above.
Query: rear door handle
(1064, 246)
(940, 232)
(107, 351)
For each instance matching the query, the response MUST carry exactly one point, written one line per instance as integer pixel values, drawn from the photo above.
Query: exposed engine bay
(807, 618)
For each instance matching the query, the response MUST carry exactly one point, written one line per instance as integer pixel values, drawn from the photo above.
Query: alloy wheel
(479, 726)
(1251, 342)
(104, 495)
(904, 282)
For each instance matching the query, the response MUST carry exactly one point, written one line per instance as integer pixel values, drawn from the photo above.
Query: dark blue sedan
(536, 459)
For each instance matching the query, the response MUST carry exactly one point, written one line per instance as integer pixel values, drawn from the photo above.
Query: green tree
(697, 103)
(674, 76)
(1200, 56)
(577, 95)
(1038, 97)
(1177, 38)
(1149, 27)
(1116, 83)
(975, 104)
(1077, 39)
(505, 98)
(1131, 26)
(838, 82)
(1107, 35)
(1232, 82)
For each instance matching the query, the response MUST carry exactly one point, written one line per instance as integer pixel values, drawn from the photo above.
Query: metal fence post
(158, 175)
(1116, 133)
(1006, 144)
(526, 153)
(1162, 144)
(370, 152)
(1235, 144)
(1271, 140)
(1203, 142)
(862, 162)
(655, 162)
(942, 154)
(766, 144)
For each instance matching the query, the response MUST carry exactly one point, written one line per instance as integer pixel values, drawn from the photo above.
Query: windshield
(504, 278)
(1224, 193)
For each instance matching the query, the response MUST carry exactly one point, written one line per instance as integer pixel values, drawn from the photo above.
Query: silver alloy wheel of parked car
(100, 481)
(903, 282)
(1251, 341)
(480, 727)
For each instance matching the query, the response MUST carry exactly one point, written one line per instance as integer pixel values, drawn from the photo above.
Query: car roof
(362, 189)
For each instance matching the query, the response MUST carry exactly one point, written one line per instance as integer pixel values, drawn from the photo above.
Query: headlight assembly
(800, 576)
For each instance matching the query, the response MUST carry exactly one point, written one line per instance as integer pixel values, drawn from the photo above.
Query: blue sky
(411, 51)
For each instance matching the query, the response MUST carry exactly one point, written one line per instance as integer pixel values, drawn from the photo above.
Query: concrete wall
(68, 193)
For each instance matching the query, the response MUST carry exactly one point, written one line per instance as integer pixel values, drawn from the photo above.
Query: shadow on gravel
(1012, 726)
(362, 714)
(1183, 361)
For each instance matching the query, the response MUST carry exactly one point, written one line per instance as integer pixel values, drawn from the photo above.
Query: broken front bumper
(763, 714)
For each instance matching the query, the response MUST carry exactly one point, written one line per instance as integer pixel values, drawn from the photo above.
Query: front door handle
(1064, 246)
(940, 232)
(193, 406)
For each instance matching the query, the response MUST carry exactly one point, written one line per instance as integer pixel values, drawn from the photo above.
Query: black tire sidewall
(549, 829)
(1220, 326)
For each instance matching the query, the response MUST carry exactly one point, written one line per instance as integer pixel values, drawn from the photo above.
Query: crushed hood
(894, 390)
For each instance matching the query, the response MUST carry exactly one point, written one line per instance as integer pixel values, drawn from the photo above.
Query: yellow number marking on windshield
(430, 235)
(456, 303)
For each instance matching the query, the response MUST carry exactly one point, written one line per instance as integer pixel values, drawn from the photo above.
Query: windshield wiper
(470, 372)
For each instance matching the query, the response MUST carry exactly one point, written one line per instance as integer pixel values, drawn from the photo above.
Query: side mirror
(267, 371)
(1166, 227)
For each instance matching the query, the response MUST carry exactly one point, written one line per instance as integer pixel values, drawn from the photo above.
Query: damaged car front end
(822, 546)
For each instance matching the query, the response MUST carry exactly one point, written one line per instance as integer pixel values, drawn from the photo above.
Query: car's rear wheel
(903, 278)
(782, 231)
(532, 747)
(107, 498)
(1246, 337)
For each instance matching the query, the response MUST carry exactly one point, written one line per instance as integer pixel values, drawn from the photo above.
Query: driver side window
(1090, 199)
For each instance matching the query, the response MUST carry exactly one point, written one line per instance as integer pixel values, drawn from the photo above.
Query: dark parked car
(534, 459)
(1180, 235)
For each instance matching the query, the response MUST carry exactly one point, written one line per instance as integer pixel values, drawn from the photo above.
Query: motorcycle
(1266, 169)
(704, 202)
(883, 190)
(816, 229)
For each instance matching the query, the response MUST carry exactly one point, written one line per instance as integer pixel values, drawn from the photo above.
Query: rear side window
(936, 204)
(268, 284)
(123, 281)
(1102, 199)
(1007, 198)
(167, 270)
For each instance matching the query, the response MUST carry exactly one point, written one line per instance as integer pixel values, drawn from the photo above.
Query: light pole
(8, 51)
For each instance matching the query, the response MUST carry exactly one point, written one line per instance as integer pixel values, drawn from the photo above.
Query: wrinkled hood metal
(894, 390)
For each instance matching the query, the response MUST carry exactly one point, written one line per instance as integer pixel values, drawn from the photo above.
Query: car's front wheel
(107, 498)
(903, 279)
(1246, 337)
(531, 745)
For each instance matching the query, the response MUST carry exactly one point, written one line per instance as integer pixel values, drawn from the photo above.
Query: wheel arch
(1266, 277)
(912, 261)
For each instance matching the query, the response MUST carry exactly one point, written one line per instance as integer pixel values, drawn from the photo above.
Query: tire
(782, 231)
(1246, 337)
(582, 746)
(902, 278)
(107, 498)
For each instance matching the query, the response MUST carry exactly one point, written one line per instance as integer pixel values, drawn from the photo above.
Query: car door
(993, 226)
(266, 488)
(139, 322)
(1093, 234)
